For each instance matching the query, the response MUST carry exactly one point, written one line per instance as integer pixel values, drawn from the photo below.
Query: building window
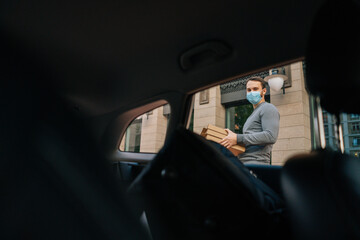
(351, 132)
(355, 141)
(354, 116)
(133, 136)
(146, 133)
(326, 129)
(191, 124)
(237, 115)
(354, 127)
(325, 117)
(204, 97)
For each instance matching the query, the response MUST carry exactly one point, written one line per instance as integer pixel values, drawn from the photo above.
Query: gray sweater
(260, 132)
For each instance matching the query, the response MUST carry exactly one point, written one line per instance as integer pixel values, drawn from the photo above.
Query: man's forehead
(251, 84)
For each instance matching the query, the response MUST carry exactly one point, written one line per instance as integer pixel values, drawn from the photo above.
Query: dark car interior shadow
(57, 184)
(196, 189)
(322, 188)
(53, 185)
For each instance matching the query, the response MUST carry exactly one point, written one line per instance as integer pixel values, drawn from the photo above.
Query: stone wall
(153, 131)
(293, 106)
(210, 111)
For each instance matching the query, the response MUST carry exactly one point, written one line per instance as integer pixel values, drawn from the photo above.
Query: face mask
(253, 97)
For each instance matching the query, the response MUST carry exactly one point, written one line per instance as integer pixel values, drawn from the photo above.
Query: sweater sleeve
(270, 128)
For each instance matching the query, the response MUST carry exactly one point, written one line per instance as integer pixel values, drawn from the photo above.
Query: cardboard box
(216, 134)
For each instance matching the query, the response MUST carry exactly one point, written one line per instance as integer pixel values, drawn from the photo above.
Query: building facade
(226, 106)
(351, 131)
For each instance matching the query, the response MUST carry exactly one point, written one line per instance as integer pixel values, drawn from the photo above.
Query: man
(260, 130)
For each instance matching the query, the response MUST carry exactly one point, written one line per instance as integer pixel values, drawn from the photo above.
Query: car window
(226, 106)
(146, 133)
(350, 124)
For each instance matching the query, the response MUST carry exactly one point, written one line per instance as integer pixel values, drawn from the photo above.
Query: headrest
(332, 57)
(322, 191)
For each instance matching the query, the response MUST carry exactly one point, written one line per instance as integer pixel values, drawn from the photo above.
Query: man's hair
(257, 79)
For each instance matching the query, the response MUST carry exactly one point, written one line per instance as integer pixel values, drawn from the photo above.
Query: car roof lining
(106, 55)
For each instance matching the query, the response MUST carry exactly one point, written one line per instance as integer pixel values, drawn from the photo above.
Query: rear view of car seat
(54, 182)
(191, 190)
(322, 189)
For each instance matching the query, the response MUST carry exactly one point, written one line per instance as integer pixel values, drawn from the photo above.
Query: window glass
(354, 116)
(226, 106)
(237, 114)
(351, 132)
(146, 133)
(330, 130)
(133, 136)
(355, 141)
(354, 127)
(191, 124)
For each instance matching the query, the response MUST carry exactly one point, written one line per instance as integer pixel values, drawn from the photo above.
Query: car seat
(54, 182)
(196, 189)
(322, 188)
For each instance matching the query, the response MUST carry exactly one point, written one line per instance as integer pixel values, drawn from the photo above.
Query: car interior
(77, 77)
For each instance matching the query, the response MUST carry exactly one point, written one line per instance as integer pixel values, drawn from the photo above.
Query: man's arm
(270, 125)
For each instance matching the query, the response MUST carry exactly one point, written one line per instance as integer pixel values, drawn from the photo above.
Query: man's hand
(230, 140)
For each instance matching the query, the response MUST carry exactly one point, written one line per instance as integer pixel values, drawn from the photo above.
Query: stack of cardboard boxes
(216, 134)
